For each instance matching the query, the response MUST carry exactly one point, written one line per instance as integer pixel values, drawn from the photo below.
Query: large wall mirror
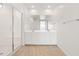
(42, 23)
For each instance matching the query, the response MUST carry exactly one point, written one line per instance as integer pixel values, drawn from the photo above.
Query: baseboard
(40, 44)
(65, 51)
(13, 53)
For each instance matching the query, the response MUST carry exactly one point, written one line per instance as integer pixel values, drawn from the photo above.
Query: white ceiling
(60, 10)
(42, 5)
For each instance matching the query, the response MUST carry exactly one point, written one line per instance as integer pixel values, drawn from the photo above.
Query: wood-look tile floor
(39, 50)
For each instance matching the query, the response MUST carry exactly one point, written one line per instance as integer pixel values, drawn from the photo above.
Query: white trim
(65, 51)
(13, 53)
(40, 44)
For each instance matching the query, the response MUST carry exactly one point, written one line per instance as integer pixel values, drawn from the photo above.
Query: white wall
(68, 34)
(40, 38)
(5, 30)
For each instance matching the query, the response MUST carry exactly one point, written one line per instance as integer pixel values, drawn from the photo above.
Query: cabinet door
(17, 28)
(5, 30)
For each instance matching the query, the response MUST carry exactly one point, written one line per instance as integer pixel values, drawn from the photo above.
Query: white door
(17, 28)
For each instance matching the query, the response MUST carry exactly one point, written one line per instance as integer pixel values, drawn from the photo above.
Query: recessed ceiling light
(33, 6)
(33, 11)
(48, 12)
(61, 6)
(49, 6)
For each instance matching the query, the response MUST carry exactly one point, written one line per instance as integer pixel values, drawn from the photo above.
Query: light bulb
(33, 11)
(33, 6)
(61, 6)
(49, 6)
